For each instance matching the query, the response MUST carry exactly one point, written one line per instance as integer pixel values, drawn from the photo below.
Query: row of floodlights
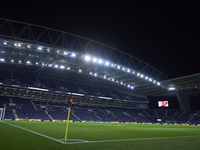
(39, 48)
(100, 61)
(113, 80)
(89, 59)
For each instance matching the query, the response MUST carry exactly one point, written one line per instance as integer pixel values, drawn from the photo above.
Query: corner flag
(70, 106)
(70, 101)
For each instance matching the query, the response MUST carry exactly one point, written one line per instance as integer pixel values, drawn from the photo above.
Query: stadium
(119, 101)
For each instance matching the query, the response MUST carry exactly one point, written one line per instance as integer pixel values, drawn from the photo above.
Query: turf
(99, 136)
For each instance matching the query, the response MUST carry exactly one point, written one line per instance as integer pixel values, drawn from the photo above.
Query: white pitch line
(35, 133)
(120, 140)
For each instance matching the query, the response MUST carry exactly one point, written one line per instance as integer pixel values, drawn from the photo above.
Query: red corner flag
(70, 101)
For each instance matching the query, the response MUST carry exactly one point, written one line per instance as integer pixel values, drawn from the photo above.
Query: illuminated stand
(2, 114)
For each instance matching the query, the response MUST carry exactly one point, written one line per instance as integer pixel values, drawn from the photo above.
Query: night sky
(166, 35)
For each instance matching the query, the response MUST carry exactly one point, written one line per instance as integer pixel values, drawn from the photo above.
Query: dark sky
(166, 35)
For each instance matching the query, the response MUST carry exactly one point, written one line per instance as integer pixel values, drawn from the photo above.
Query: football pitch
(21, 135)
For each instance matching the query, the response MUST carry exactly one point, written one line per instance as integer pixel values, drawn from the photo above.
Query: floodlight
(154, 81)
(36, 63)
(68, 68)
(42, 64)
(113, 80)
(128, 70)
(141, 75)
(104, 77)
(39, 48)
(50, 65)
(128, 85)
(90, 73)
(19, 45)
(15, 44)
(95, 74)
(29, 46)
(73, 55)
(158, 83)
(87, 58)
(133, 72)
(57, 51)
(5, 43)
(132, 87)
(138, 74)
(79, 70)
(94, 60)
(20, 61)
(118, 67)
(62, 67)
(171, 88)
(56, 66)
(100, 61)
(107, 63)
(28, 62)
(112, 65)
(2, 59)
(123, 68)
(12, 60)
(65, 53)
(48, 50)
(121, 82)
(150, 79)
(146, 78)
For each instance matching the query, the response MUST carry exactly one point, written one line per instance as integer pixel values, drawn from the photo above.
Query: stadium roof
(32, 45)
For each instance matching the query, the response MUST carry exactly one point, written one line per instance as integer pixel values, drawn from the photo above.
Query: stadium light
(56, 66)
(29, 46)
(94, 60)
(39, 48)
(36, 63)
(28, 62)
(121, 82)
(158, 83)
(138, 74)
(118, 67)
(90, 73)
(150, 79)
(133, 72)
(107, 63)
(100, 61)
(128, 70)
(12, 60)
(141, 75)
(5, 43)
(123, 68)
(172, 88)
(2, 60)
(73, 55)
(79, 70)
(68, 68)
(128, 85)
(19, 45)
(87, 58)
(146, 78)
(132, 87)
(95, 75)
(48, 49)
(62, 67)
(65, 53)
(15, 44)
(113, 80)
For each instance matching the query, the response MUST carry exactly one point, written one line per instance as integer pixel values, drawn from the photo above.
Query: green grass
(146, 136)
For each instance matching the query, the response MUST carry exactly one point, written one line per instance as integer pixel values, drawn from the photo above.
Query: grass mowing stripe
(35, 133)
(139, 139)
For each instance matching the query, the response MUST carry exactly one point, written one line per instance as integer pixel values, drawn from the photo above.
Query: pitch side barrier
(112, 122)
(61, 92)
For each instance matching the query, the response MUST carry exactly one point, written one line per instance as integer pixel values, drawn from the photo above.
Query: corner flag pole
(67, 125)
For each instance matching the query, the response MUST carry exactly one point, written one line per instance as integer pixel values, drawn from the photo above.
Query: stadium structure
(40, 67)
